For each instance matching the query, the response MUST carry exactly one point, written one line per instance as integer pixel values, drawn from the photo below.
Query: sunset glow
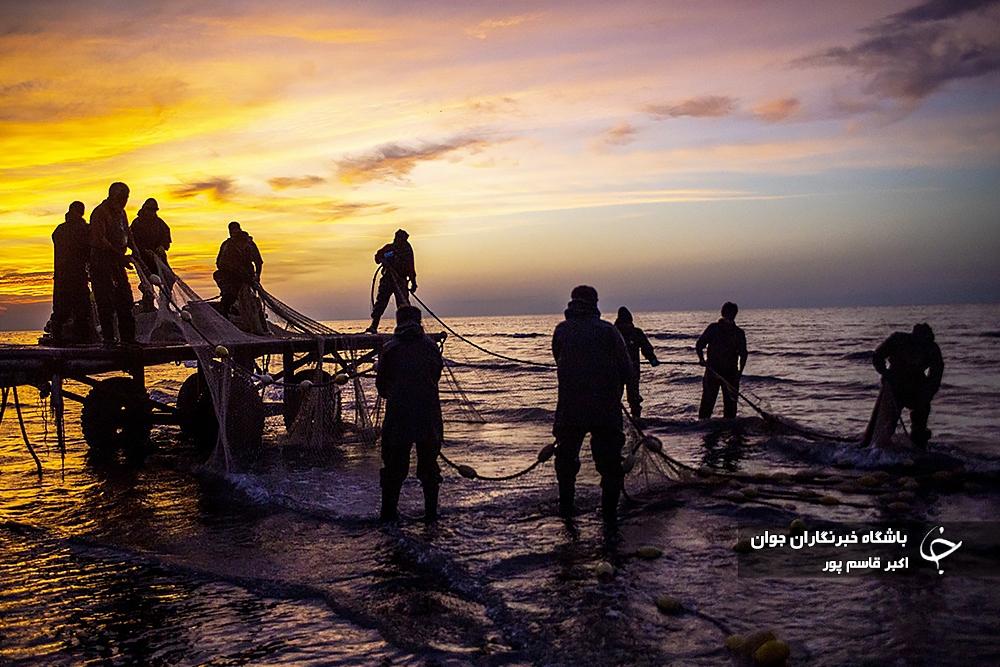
(673, 154)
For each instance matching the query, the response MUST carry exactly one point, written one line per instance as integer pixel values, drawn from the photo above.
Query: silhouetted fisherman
(593, 368)
(71, 311)
(151, 236)
(409, 368)
(399, 276)
(911, 367)
(239, 265)
(108, 261)
(727, 357)
(635, 342)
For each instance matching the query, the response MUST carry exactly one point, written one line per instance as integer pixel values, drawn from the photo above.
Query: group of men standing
(98, 253)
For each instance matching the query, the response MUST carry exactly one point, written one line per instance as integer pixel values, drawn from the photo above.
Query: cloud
(219, 188)
(775, 111)
(497, 105)
(483, 29)
(395, 161)
(935, 10)
(621, 134)
(707, 106)
(910, 55)
(286, 182)
(341, 210)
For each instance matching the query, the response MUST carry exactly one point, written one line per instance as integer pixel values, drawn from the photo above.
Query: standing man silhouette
(593, 368)
(398, 269)
(108, 261)
(727, 357)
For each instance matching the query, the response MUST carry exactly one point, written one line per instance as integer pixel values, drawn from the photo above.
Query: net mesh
(237, 386)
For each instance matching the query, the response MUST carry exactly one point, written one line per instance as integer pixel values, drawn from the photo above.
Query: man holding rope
(727, 357)
(409, 370)
(593, 368)
(398, 269)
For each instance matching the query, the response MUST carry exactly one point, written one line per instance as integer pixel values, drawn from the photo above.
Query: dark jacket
(71, 249)
(399, 258)
(593, 367)
(635, 342)
(409, 368)
(915, 365)
(150, 232)
(727, 346)
(240, 257)
(108, 230)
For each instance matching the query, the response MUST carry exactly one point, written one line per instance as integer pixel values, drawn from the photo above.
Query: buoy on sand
(668, 604)
(797, 527)
(648, 552)
(604, 570)
(221, 351)
(773, 653)
(341, 378)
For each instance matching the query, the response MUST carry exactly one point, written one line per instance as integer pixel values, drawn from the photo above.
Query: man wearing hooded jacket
(593, 368)
(152, 241)
(409, 369)
(727, 357)
(70, 295)
(108, 261)
(398, 269)
(635, 342)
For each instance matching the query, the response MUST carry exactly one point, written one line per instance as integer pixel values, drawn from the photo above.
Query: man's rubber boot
(609, 502)
(567, 497)
(431, 503)
(390, 500)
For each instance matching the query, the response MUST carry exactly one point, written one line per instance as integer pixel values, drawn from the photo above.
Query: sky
(672, 154)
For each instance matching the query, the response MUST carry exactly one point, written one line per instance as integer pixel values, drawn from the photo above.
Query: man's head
(624, 314)
(729, 310)
(584, 293)
(76, 209)
(408, 315)
(150, 205)
(234, 229)
(118, 194)
(400, 236)
(923, 331)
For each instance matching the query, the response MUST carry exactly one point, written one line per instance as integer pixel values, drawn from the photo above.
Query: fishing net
(234, 383)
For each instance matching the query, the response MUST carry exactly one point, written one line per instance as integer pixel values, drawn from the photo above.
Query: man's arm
(882, 353)
(647, 348)
(743, 350)
(256, 259)
(935, 371)
(383, 375)
(702, 341)
(98, 229)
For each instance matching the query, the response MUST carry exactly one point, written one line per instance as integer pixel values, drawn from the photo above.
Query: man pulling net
(398, 269)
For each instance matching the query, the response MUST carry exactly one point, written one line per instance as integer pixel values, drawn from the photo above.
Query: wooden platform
(37, 364)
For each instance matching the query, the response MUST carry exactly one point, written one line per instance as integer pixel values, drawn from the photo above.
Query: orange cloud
(395, 161)
(775, 111)
(483, 29)
(708, 106)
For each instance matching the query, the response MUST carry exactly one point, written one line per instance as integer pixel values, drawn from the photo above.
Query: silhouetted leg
(919, 414)
(606, 448)
(401, 293)
(709, 394)
(730, 396)
(104, 287)
(395, 468)
(429, 474)
(123, 306)
(634, 398)
(79, 311)
(567, 466)
(385, 290)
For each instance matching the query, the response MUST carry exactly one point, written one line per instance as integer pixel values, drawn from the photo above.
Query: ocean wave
(523, 414)
(671, 336)
(990, 334)
(861, 355)
(515, 335)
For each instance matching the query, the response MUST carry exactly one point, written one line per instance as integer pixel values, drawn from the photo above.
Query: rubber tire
(245, 419)
(293, 395)
(117, 416)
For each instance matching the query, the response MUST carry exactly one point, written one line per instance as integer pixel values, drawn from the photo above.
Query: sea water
(169, 563)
